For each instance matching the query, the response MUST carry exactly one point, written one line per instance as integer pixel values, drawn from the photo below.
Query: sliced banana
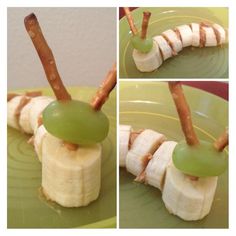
(37, 107)
(70, 178)
(221, 33)
(24, 118)
(188, 199)
(124, 135)
(143, 146)
(165, 48)
(186, 35)
(210, 37)
(147, 62)
(38, 140)
(170, 42)
(173, 40)
(156, 168)
(196, 34)
(12, 106)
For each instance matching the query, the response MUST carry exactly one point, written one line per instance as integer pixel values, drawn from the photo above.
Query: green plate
(191, 62)
(27, 208)
(149, 105)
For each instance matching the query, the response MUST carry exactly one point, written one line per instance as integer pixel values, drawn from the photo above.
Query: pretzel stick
(47, 59)
(222, 141)
(184, 113)
(130, 20)
(106, 87)
(146, 17)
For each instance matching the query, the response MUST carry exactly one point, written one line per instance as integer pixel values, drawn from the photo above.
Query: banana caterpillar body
(72, 178)
(171, 42)
(152, 164)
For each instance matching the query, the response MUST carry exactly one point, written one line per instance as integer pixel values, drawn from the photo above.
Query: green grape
(202, 160)
(75, 122)
(142, 45)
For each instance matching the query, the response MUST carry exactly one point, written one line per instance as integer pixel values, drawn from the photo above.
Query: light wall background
(83, 41)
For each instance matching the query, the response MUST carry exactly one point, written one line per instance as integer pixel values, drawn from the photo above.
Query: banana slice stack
(171, 42)
(148, 156)
(69, 177)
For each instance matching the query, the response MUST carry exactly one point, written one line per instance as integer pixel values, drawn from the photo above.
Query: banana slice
(70, 178)
(30, 113)
(188, 199)
(172, 38)
(124, 136)
(220, 31)
(37, 106)
(38, 140)
(12, 117)
(156, 168)
(186, 35)
(141, 150)
(147, 62)
(210, 37)
(165, 48)
(196, 34)
(24, 119)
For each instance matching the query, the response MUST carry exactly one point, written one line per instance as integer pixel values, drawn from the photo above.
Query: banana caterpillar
(148, 155)
(170, 42)
(70, 176)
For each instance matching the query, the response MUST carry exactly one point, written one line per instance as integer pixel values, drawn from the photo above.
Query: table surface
(220, 89)
(122, 13)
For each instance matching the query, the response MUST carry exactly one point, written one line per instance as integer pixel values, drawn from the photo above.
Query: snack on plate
(185, 172)
(66, 132)
(149, 53)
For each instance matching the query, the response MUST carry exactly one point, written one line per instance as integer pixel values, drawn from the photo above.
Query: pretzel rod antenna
(46, 56)
(183, 112)
(222, 141)
(146, 17)
(106, 87)
(130, 20)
